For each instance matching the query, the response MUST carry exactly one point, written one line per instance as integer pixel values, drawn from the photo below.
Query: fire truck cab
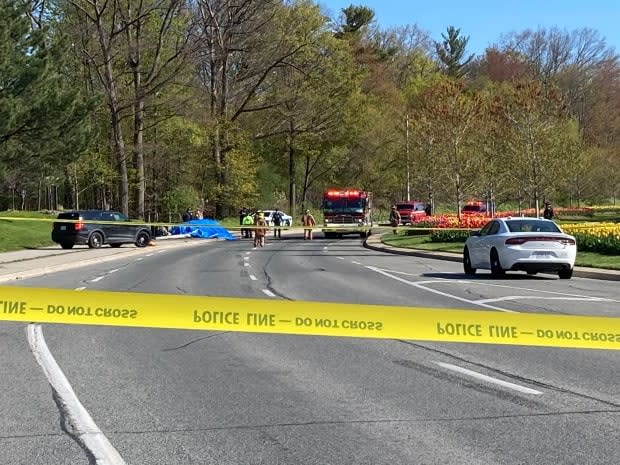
(346, 212)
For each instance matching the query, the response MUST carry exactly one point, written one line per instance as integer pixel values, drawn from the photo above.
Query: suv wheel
(95, 240)
(142, 239)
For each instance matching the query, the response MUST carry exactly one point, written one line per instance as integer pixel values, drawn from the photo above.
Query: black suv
(84, 230)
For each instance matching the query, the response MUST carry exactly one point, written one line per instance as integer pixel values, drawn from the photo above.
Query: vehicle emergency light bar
(347, 194)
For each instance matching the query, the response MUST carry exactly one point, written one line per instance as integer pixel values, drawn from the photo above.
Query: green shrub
(452, 235)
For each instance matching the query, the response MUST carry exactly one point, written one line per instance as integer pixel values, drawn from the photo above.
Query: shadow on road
(488, 277)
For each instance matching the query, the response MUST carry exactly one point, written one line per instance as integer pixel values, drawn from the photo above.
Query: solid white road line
(83, 425)
(488, 379)
(496, 285)
(268, 292)
(538, 297)
(435, 291)
(253, 278)
(98, 278)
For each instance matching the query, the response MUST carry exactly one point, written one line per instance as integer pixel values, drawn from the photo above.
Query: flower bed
(596, 237)
(591, 237)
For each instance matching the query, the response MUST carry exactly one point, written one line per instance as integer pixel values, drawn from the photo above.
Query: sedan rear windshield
(532, 226)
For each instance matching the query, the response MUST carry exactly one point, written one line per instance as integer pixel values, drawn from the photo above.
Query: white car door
(476, 246)
(487, 244)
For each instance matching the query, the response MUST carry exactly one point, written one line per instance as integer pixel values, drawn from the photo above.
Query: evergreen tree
(39, 112)
(451, 52)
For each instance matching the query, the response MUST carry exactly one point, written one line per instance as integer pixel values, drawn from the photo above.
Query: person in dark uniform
(548, 211)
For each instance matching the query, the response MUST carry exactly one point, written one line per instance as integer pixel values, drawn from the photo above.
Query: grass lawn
(20, 234)
(589, 259)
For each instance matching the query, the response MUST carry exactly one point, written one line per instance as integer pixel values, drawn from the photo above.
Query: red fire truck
(346, 212)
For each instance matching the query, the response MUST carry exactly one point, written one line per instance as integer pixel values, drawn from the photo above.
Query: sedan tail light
(523, 240)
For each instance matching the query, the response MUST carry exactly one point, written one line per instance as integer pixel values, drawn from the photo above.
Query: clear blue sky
(484, 21)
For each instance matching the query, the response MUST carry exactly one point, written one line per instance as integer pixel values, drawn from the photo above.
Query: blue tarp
(208, 229)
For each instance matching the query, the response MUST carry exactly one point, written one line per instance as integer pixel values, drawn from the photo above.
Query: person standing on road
(260, 231)
(277, 222)
(248, 220)
(308, 220)
(394, 217)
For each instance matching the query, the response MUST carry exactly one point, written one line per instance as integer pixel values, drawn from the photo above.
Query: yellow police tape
(339, 228)
(306, 318)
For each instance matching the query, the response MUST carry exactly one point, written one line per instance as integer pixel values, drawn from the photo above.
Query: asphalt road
(183, 397)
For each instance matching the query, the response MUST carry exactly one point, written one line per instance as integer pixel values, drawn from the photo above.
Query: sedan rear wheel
(566, 273)
(496, 266)
(95, 240)
(469, 270)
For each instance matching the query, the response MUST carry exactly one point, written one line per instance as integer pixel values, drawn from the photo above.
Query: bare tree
(155, 59)
(135, 48)
(106, 25)
(244, 42)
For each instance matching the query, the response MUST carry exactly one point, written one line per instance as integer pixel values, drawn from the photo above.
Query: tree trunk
(138, 109)
(219, 172)
(115, 116)
(119, 144)
(138, 149)
(292, 169)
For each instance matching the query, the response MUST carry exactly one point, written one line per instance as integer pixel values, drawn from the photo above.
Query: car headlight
(326, 221)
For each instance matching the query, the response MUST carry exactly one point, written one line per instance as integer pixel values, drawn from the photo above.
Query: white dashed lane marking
(268, 292)
(98, 278)
(253, 278)
(488, 379)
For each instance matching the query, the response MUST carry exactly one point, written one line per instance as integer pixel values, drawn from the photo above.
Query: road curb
(374, 243)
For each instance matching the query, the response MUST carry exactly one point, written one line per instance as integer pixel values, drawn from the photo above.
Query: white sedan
(287, 220)
(521, 244)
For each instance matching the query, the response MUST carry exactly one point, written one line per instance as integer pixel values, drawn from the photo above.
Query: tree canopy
(148, 105)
